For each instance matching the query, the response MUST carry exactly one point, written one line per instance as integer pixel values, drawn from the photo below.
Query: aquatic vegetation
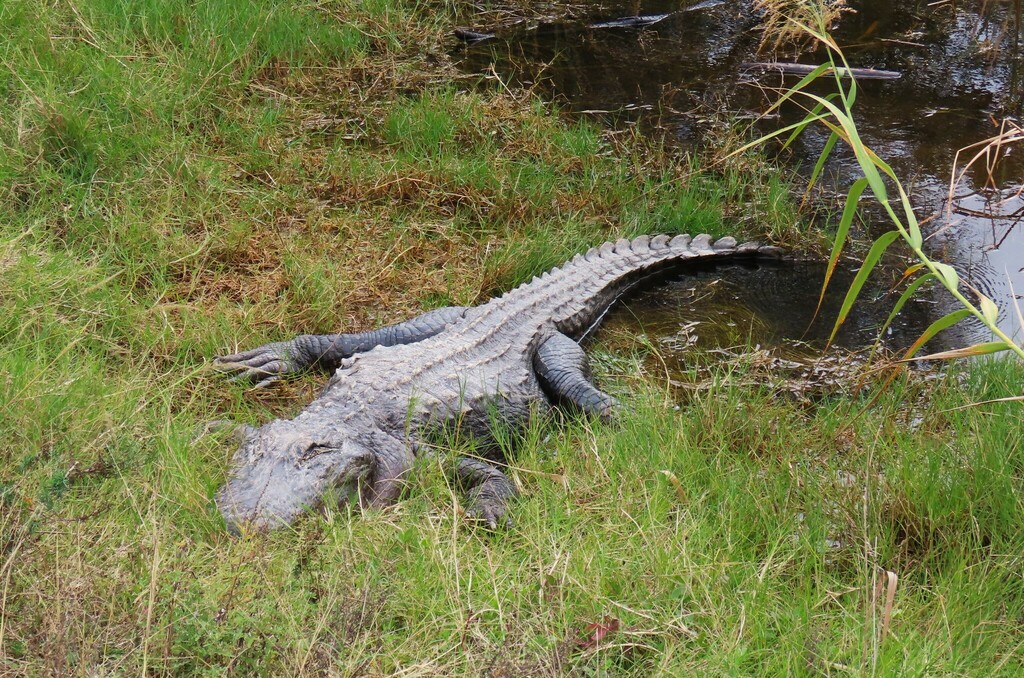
(836, 112)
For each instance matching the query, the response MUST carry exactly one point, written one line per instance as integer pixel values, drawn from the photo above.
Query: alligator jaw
(279, 473)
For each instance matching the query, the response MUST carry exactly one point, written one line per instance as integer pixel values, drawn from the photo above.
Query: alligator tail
(576, 295)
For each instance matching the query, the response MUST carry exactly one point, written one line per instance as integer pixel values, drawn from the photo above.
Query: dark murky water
(766, 304)
(961, 72)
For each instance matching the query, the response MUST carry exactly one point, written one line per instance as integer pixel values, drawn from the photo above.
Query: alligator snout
(278, 474)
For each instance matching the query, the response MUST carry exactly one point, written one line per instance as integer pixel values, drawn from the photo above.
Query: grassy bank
(180, 178)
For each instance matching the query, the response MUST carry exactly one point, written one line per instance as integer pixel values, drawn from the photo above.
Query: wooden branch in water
(471, 35)
(804, 69)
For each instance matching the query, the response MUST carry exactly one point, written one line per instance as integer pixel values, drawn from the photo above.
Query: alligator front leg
(270, 362)
(487, 489)
(561, 367)
(393, 463)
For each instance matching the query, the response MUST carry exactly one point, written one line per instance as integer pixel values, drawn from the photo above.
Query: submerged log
(632, 21)
(805, 69)
(628, 22)
(645, 20)
(469, 35)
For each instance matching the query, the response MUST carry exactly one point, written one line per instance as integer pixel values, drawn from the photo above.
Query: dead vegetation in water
(783, 20)
(987, 158)
(805, 381)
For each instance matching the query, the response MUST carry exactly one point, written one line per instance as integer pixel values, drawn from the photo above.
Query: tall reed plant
(836, 112)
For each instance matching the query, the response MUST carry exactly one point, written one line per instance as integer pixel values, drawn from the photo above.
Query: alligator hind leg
(270, 362)
(487, 489)
(561, 367)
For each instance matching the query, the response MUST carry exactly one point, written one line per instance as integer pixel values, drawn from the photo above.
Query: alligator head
(281, 470)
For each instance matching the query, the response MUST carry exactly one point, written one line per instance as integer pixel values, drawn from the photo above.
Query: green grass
(180, 178)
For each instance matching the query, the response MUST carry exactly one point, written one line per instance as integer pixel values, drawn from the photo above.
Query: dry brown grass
(780, 26)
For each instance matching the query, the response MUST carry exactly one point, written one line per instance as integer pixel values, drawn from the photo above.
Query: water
(961, 72)
(755, 303)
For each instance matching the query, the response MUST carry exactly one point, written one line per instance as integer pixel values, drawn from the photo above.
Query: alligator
(472, 368)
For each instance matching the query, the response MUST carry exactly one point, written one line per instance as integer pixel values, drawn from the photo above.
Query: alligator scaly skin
(453, 367)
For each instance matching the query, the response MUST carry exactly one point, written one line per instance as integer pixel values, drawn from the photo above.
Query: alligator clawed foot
(248, 375)
(489, 511)
(263, 365)
(488, 492)
(610, 414)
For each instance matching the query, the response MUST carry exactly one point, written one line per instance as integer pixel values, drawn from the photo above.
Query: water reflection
(762, 304)
(961, 72)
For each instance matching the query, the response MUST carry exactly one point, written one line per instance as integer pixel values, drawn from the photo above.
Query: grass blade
(942, 323)
(865, 158)
(819, 165)
(818, 35)
(965, 352)
(771, 135)
(950, 278)
(812, 116)
(911, 271)
(988, 309)
(904, 298)
(874, 254)
(849, 211)
(898, 306)
(798, 87)
(914, 240)
(1008, 399)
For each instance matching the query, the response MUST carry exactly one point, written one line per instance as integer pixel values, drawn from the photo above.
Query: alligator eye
(314, 450)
